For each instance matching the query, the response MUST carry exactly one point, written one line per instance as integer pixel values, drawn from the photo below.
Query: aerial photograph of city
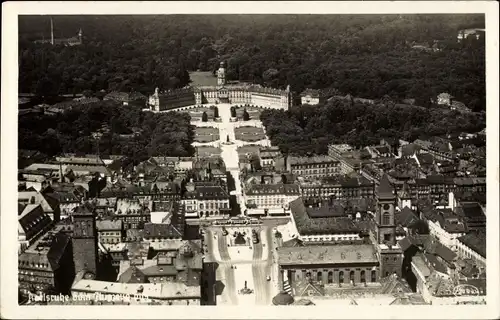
(251, 160)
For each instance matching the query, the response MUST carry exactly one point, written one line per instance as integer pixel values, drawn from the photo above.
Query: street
(252, 266)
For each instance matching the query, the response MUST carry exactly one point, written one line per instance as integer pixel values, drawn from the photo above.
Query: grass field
(248, 149)
(208, 151)
(248, 133)
(206, 134)
(197, 113)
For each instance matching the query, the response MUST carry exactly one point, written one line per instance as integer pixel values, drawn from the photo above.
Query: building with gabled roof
(473, 246)
(33, 223)
(311, 97)
(47, 265)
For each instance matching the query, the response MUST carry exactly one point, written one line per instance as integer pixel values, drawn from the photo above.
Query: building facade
(340, 265)
(313, 167)
(223, 92)
(389, 251)
(266, 196)
(84, 240)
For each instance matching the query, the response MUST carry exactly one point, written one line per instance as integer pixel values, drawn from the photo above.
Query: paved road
(230, 283)
(222, 246)
(263, 268)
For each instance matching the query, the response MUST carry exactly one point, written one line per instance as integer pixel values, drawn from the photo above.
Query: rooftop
(476, 241)
(170, 290)
(260, 189)
(310, 160)
(306, 225)
(104, 225)
(334, 254)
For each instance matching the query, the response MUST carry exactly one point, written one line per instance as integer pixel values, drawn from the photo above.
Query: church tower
(404, 197)
(221, 75)
(84, 240)
(390, 253)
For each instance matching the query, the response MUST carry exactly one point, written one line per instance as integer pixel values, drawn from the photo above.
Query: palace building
(221, 92)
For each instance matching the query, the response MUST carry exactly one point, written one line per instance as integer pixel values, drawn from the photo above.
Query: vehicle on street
(255, 237)
(268, 278)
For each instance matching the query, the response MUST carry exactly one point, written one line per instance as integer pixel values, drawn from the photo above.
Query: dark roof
(57, 249)
(385, 189)
(257, 189)
(406, 217)
(476, 241)
(207, 192)
(20, 208)
(410, 149)
(132, 275)
(161, 230)
(425, 158)
(413, 240)
(326, 211)
(84, 209)
(294, 242)
(309, 226)
(432, 246)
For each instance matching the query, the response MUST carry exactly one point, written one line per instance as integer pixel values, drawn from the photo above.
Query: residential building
(49, 205)
(171, 293)
(47, 265)
(313, 167)
(321, 224)
(339, 187)
(268, 156)
(270, 196)
(445, 225)
(109, 231)
(473, 246)
(132, 213)
(207, 199)
(33, 223)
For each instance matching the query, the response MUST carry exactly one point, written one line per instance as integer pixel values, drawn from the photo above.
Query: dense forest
(119, 130)
(365, 55)
(309, 129)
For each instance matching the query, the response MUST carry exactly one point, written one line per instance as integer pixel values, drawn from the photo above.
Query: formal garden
(249, 133)
(206, 134)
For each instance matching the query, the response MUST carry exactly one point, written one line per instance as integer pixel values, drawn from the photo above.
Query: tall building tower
(221, 75)
(85, 239)
(80, 35)
(404, 197)
(390, 253)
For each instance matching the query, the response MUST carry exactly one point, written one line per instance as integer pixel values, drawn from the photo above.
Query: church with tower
(85, 247)
(221, 91)
(389, 252)
(359, 257)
